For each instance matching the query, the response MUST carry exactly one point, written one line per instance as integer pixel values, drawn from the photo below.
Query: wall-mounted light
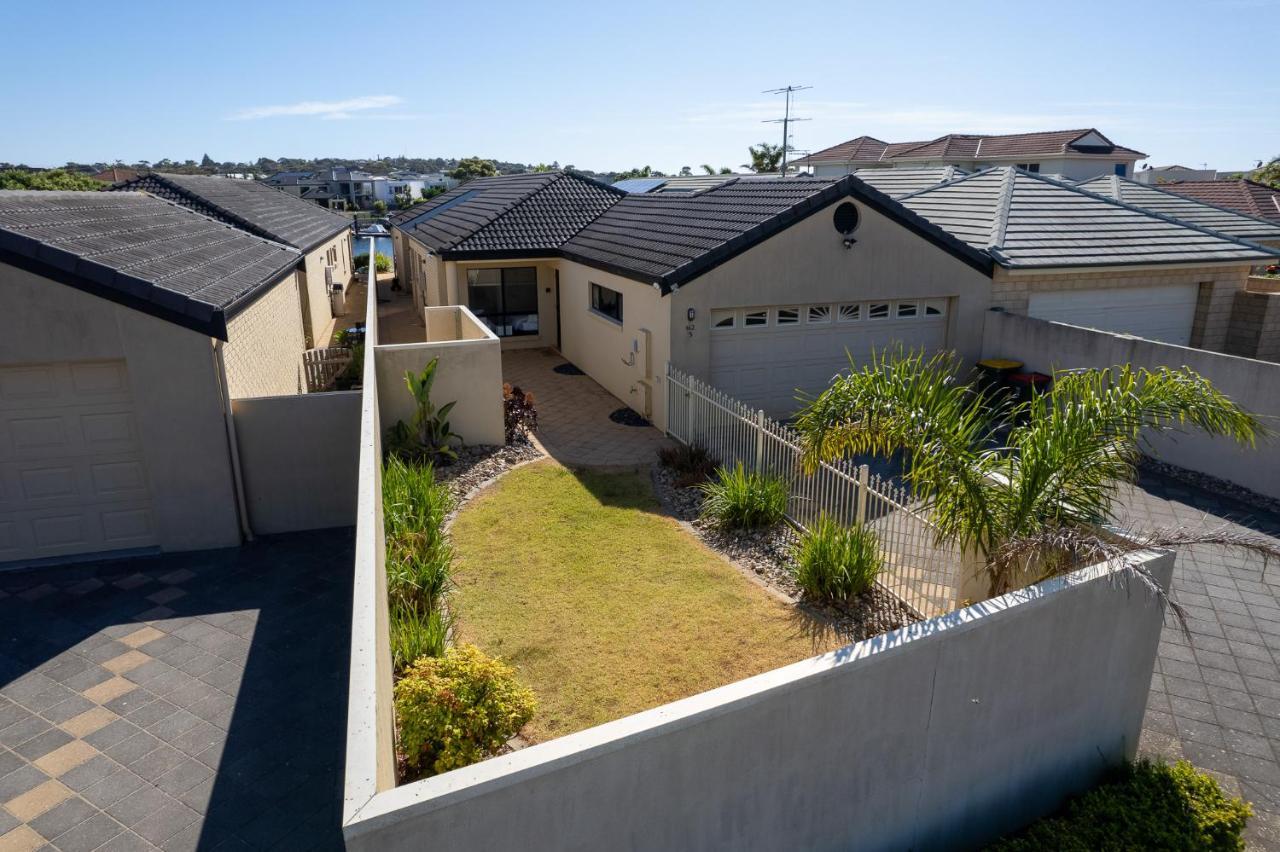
(691, 314)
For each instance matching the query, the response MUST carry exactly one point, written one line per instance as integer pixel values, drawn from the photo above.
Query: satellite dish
(845, 218)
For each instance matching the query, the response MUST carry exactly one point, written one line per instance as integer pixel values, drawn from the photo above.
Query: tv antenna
(786, 120)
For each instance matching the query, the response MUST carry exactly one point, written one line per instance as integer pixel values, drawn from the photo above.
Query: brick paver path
(1215, 695)
(179, 702)
(573, 415)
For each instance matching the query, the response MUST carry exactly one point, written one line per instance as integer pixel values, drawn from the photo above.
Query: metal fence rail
(917, 569)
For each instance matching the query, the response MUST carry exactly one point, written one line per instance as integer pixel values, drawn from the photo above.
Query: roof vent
(845, 218)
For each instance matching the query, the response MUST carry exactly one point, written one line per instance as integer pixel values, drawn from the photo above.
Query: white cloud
(332, 110)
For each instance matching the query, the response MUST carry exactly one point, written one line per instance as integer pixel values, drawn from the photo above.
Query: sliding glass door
(506, 300)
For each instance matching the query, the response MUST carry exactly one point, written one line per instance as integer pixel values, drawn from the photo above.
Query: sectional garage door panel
(768, 367)
(72, 475)
(1164, 313)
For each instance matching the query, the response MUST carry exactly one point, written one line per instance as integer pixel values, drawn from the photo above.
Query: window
(606, 302)
(935, 308)
(723, 319)
(1029, 167)
(850, 313)
(788, 316)
(907, 309)
(819, 313)
(506, 300)
(1122, 169)
(878, 310)
(755, 318)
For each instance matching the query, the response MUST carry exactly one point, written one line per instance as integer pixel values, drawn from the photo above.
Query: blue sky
(605, 85)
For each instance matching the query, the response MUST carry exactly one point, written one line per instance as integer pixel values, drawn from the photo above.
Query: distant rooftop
(866, 150)
(1241, 195)
(1159, 198)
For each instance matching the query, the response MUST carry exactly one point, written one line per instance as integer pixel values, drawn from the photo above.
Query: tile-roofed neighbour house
(896, 183)
(509, 215)
(1241, 195)
(1161, 199)
(251, 205)
(142, 252)
(1025, 220)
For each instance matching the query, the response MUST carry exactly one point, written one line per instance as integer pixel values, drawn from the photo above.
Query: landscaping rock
(478, 464)
(767, 553)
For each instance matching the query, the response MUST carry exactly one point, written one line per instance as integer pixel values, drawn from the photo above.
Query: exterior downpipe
(233, 448)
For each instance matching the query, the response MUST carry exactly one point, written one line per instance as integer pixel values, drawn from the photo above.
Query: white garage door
(764, 356)
(72, 478)
(1163, 313)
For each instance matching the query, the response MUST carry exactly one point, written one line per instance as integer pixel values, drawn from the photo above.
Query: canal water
(360, 246)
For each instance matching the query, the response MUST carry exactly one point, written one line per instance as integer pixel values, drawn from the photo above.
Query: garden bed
(767, 554)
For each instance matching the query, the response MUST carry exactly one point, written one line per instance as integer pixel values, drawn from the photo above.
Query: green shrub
(692, 463)
(419, 559)
(459, 708)
(1144, 805)
(428, 438)
(360, 262)
(737, 499)
(835, 563)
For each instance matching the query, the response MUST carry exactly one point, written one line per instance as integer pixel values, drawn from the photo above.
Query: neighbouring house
(1074, 154)
(764, 286)
(686, 183)
(136, 322)
(115, 174)
(1168, 174)
(323, 237)
(1241, 195)
(905, 180)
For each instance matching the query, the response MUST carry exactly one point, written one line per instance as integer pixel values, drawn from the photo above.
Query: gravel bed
(767, 553)
(1212, 484)
(478, 464)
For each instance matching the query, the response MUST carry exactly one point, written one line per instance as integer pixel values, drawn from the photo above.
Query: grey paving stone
(19, 781)
(90, 772)
(137, 746)
(165, 822)
(63, 817)
(90, 834)
(138, 805)
(41, 744)
(126, 841)
(157, 762)
(112, 734)
(113, 788)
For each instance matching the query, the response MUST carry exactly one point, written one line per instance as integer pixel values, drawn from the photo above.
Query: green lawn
(604, 605)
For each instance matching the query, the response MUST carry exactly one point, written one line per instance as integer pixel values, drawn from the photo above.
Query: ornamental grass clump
(419, 559)
(833, 563)
(745, 500)
(1144, 805)
(692, 464)
(459, 708)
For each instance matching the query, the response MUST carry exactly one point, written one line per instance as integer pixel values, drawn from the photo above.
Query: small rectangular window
(935, 308)
(1122, 169)
(722, 319)
(606, 302)
(851, 312)
(1029, 167)
(878, 310)
(907, 309)
(819, 313)
(755, 318)
(788, 316)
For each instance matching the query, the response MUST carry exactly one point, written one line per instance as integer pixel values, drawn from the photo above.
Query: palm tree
(1028, 486)
(764, 157)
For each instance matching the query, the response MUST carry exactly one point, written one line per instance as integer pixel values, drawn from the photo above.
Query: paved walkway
(177, 702)
(573, 415)
(1215, 696)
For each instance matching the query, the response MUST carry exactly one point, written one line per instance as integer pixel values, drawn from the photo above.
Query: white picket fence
(918, 570)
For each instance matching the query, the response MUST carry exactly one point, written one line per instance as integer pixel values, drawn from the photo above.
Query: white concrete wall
(469, 373)
(1049, 346)
(299, 455)
(265, 343)
(174, 385)
(943, 735)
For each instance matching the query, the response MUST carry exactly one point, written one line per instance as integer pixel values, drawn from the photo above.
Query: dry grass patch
(605, 606)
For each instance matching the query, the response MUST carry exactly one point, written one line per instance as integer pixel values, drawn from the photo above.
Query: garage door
(1163, 313)
(72, 478)
(764, 356)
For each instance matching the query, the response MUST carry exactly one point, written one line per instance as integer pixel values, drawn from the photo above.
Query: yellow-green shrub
(459, 708)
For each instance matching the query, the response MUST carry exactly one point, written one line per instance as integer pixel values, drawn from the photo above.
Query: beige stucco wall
(808, 263)
(469, 374)
(625, 360)
(174, 385)
(265, 344)
(1218, 286)
(318, 314)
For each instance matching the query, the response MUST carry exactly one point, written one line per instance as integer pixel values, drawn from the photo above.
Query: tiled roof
(1159, 199)
(670, 239)
(1241, 195)
(1028, 220)
(141, 251)
(527, 213)
(248, 204)
(966, 146)
(904, 180)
